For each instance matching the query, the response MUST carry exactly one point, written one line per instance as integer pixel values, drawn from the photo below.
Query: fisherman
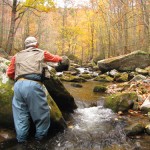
(29, 96)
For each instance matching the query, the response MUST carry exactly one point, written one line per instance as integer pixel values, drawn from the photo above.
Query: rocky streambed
(125, 92)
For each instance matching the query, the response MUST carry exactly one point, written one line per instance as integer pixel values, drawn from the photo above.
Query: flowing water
(93, 129)
(90, 127)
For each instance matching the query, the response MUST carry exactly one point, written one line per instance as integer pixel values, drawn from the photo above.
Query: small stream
(90, 127)
(93, 129)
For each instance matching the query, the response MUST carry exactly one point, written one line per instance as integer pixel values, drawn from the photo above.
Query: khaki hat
(30, 41)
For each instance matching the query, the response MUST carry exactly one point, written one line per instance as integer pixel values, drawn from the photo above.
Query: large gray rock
(136, 59)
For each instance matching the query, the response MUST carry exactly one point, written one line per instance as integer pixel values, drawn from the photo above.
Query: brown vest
(29, 61)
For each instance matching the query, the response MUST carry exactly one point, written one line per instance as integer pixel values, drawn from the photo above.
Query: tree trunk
(2, 24)
(145, 12)
(64, 23)
(92, 39)
(39, 23)
(126, 49)
(109, 34)
(26, 28)
(12, 28)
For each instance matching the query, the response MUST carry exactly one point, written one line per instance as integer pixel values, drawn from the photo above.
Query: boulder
(120, 101)
(60, 95)
(135, 129)
(141, 71)
(73, 70)
(136, 59)
(86, 76)
(100, 88)
(103, 78)
(77, 85)
(63, 65)
(72, 78)
(6, 95)
(114, 73)
(147, 129)
(122, 77)
(145, 107)
(138, 77)
(148, 70)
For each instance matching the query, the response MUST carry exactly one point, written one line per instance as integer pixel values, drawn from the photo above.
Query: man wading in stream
(29, 96)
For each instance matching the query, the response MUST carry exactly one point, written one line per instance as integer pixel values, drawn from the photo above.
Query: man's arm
(11, 69)
(48, 57)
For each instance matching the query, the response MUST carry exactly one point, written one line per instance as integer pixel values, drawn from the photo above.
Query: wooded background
(98, 28)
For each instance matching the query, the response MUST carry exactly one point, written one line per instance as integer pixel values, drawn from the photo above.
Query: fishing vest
(29, 61)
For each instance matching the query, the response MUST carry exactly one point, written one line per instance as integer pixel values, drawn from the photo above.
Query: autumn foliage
(102, 28)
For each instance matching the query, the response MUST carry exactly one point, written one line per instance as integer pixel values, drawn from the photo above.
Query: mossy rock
(123, 77)
(147, 129)
(120, 101)
(103, 78)
(6, 95)
(141, 71)
(86, 76)
(148, 70)
(60, 95)
(135, 129)
(100, 88)
(71, 78)
(77, 85)
(74, 70)
(145, 109)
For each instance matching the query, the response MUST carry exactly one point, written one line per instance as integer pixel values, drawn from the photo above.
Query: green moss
(6, 93)
(104, 78)
(122, 78)
(120, 101)
(55, 112)
(71, 78)
(86, 76)
(135, 129)
(99, 88)
(7, 63)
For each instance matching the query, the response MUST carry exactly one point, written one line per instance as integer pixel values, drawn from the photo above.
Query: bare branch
(20, 14)
(35, 13)
(19, 23)
(7, 3)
